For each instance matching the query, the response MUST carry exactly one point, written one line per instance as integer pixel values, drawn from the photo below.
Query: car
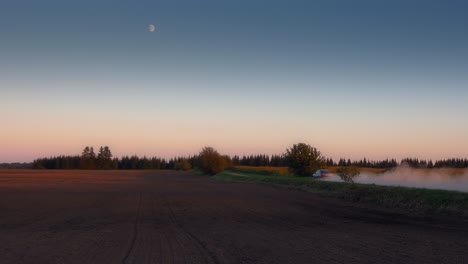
(322, 173)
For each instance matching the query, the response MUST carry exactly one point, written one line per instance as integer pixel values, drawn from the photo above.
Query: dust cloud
(446, 178)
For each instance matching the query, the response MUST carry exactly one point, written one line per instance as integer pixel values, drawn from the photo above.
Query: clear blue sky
(353, 78)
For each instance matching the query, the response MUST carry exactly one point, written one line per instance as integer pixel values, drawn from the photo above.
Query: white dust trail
(447, 179)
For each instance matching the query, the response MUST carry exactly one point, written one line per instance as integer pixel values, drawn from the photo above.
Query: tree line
(104, 159)
(89, 160)
(365, 163)
(16, 165)
(446, 163)
(281, 161)
(260, 160)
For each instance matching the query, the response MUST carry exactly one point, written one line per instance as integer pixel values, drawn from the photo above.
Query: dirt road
(173, 217)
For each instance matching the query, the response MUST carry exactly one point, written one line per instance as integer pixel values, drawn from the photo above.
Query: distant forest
(16, 165)
(104, 159)
(447, 163)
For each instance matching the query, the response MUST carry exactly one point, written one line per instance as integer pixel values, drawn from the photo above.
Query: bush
(303, 160)
(211, 161)
(347, 174)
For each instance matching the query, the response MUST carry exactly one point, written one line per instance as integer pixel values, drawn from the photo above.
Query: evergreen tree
(104, 158)
(88, 159)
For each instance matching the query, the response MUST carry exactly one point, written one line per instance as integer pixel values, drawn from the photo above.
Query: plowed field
(175, 217)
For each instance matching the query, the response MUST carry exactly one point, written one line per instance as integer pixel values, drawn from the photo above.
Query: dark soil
(175, 217)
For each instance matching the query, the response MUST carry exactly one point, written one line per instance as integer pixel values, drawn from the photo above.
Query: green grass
(414, 200)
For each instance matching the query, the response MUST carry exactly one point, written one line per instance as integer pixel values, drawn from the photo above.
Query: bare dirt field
(175, 217)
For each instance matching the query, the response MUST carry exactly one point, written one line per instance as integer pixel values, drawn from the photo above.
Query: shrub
(211, 162)
(347, 174)
(303, 159)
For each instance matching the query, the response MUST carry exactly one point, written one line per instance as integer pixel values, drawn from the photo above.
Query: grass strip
(415, 200)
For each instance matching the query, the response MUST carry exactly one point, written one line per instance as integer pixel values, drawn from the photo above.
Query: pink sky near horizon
(25, 140)
(35, 126)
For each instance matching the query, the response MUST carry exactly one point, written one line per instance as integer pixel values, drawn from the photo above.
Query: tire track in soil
(209, 256)
(101, 246)
(159, 237)
(153, 244)
(264, 229)
(135, 231)
(170, 233)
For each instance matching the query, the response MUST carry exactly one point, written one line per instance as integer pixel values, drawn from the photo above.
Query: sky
(363, 78)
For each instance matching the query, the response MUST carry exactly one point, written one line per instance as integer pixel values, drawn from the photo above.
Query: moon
(151, 27)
